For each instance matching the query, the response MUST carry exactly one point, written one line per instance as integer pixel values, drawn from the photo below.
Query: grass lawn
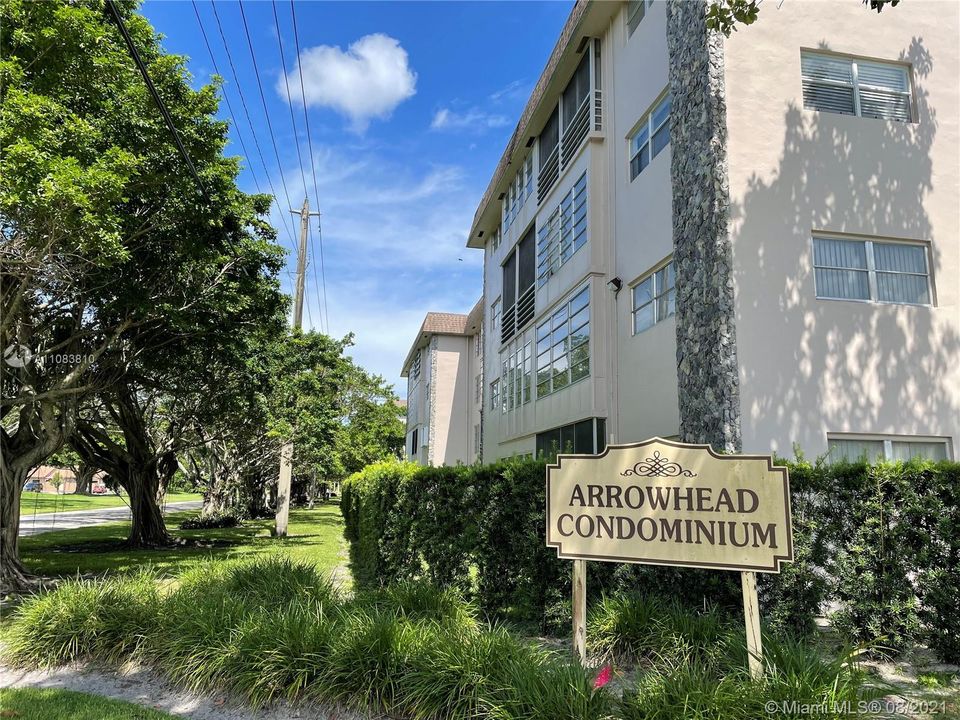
(48, 704)
(315, 535)
(32, 502)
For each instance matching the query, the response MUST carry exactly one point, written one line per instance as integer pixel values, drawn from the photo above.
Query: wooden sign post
(661, 502)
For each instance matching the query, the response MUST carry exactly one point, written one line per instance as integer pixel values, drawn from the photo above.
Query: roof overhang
(589, 18)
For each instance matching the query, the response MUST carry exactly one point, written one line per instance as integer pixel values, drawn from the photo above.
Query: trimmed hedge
(882, 540)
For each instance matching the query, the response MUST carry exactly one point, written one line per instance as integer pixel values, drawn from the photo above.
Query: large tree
(111, 257)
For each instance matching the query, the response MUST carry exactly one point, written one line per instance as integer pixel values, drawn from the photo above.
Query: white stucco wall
(809, 367)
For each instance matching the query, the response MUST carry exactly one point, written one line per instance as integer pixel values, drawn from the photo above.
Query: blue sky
(410, 107)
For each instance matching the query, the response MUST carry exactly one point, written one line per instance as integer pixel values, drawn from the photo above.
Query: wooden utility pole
(286, 449)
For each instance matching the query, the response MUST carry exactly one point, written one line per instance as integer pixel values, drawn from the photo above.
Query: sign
(670, 503)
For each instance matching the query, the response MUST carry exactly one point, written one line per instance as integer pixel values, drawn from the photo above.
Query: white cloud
(516, 90)
(368, 80)
(474, 119)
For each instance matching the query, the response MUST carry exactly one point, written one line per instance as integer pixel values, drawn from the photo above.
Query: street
(47, 522)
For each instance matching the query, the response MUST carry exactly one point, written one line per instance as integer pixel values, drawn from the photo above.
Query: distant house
(47, 475)
(444, 371)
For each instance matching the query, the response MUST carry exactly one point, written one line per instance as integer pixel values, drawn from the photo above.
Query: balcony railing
(589, 116)
(549, 174)
(575, 131)
(517, 316)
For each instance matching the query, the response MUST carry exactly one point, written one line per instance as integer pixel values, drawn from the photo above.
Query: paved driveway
(47, 522)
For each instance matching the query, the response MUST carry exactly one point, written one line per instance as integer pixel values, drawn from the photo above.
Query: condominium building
(444, 372)
(751, 241)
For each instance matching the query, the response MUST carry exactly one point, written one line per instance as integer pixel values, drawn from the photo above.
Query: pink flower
(603, 678)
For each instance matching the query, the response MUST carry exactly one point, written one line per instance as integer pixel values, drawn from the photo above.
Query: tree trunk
(14, 578)
(148, 528)
(84, 474)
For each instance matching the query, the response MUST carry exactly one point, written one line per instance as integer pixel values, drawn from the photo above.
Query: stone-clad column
(707, 370)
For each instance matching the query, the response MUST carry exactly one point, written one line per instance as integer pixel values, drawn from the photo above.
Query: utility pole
(286, 449)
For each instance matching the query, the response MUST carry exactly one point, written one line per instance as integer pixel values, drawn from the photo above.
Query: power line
(226, 97)
(286, 82)
(246, 111)
(317, 284)
(296, 141)
(313, 166)
(118, 19)
(263, 101)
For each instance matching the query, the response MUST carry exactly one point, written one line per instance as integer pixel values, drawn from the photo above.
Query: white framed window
(495, 239)
(563, 345)
(564, 232)
(517, 366)
(654, 297)
(852, 448)
(848, 86)
(495, 394)
(871, 270)
(636, 11)
(651, 136)
(495, 311)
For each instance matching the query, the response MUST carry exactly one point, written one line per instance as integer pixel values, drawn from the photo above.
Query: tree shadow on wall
(831, 366)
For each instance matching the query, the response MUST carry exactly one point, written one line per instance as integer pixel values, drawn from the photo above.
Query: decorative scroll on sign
(670, 503)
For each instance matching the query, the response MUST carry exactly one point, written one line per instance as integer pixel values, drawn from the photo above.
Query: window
(564, 232)
(415, 366)
(654, 298)
(636, 10)
(517, 365)
(563, 345)
(652, 136)
(413, 442)
(874, 449)
(495, 394)
(478, 390)
(495, 240)
(855, 87)
(495, 316)
(528, 174)
(519, 274)
(870, 270)
(576, 92)
(586, 437)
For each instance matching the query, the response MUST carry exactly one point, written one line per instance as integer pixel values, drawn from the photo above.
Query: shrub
(795, 673)
(874, 565)
(104, 619)
(213, 521)
(882, 539)
(419, 600)
(624, 626)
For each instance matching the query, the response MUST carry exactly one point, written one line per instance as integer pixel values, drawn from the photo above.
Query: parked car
(33, 486)
(98, 489)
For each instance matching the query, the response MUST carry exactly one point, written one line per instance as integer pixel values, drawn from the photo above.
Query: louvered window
(856, 87)
(563, 345)
(564, 232)
(870, 270)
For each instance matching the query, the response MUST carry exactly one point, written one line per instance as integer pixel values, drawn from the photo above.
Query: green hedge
(881, 540)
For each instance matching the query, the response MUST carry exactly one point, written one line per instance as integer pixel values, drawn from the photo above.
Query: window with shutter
(855, 87)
